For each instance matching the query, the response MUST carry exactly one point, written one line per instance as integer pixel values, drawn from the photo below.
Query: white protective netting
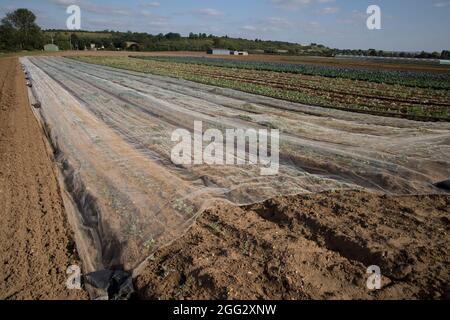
(112, 132)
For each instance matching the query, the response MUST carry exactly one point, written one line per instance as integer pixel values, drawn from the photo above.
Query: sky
(406, 25)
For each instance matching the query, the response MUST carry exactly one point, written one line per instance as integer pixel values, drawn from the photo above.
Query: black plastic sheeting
(109, 284)
(444, 185)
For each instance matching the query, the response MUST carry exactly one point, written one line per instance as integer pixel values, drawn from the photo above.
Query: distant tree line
(19, 31)
(445, 54)
(113, 40)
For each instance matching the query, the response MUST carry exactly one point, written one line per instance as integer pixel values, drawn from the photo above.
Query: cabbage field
(417, 96)
(405, 78)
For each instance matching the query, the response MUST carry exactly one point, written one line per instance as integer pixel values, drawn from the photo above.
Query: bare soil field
(345, 197)
(36, 243)
(308, 247)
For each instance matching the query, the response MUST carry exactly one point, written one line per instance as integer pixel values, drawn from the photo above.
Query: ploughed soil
(36, 246)
(309, 247)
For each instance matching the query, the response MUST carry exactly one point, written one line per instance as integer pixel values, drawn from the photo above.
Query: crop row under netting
(112, 131)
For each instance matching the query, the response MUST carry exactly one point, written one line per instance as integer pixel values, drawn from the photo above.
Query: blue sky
(408, 25)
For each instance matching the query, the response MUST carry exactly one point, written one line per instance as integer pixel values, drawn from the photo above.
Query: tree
(445, 54)
(172, 36)
(372, 52)
(218, 43)
(74, 41)
(8, 40)
(21, 25)
(62, 41)
(435, 55)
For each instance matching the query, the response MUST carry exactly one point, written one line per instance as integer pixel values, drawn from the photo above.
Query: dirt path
(309, 247)
(35, 244)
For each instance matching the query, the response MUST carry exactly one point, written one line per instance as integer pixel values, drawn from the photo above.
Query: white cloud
(442, 4)
(249, 28)
(355, 18)
(295, 4)
(277, 23)
(66, 2)
(291, 4)
(154, 19)
(153, 4)
(329, 10)
(208, 12)
(94, 8)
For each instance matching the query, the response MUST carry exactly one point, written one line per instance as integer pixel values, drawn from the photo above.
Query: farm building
(218, 51)
(239, 53)
(51, 47)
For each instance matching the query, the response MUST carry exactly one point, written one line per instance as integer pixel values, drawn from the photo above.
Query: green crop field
(401, 94)
(406, 78)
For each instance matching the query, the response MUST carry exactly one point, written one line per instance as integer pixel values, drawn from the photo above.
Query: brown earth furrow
(35, 242)
(270, 250)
